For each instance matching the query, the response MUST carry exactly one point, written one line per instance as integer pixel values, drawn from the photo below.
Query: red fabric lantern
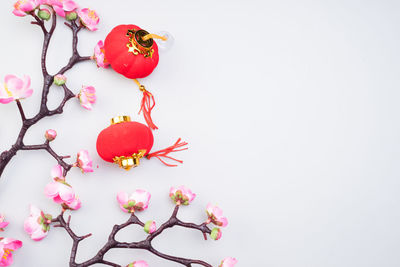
(125, 142)
(127, 52)
(132, 52)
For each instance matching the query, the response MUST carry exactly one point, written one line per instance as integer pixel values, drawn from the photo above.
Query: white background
(291, 111)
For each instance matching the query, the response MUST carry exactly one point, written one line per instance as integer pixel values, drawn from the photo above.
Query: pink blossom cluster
(60, 191)
(64, 8)
(139, 201)
(7, 245)
(37, 225)
(15, 89)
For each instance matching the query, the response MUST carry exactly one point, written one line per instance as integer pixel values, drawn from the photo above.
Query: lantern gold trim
(127, 163)
(137, 45)
(120, 119)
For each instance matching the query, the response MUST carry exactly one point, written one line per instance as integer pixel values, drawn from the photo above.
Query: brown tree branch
(6, 156)
(144, 244)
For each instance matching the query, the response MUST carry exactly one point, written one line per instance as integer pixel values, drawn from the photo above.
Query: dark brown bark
(144, 244)
(44, 111)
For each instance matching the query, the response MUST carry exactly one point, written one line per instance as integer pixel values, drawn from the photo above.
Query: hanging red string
(147, 105)
(164, 153)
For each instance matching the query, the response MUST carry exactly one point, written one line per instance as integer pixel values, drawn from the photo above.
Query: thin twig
(21, 110)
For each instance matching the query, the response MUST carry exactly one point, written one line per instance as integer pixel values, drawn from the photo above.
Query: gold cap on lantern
(127, 163)
(138, 44)
(120, 119)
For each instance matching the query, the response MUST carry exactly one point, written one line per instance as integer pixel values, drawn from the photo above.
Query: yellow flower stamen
(92, 15)
(19, 3)
(7, 253)
(7, 91)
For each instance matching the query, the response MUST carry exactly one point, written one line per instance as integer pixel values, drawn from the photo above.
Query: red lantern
(132, 52)
(125, 142)
(129, 54)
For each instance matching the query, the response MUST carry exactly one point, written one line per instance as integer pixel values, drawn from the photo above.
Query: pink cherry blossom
(61, 7)
(23, 7)
(3, 223)
(215, 216)
(15, 88)
(138, 264)
(7, 247)
(87, 96)
(50, 135)
(137, 201)
(228, 262)
(181, 195)
(74, 205)
(37, 225)
(99, 55)
(84, 162)
(89, 18)
(150, 227)
(61, 192)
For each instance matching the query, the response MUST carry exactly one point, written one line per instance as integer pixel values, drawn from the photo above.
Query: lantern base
(127, 163)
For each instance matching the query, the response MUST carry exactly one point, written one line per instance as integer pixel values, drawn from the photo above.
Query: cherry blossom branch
(21, 110)
(46, 146)
(48, 80)
(145, 244)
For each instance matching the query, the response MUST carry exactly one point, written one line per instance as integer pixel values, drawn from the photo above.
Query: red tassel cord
(164, 153)
(147, 105)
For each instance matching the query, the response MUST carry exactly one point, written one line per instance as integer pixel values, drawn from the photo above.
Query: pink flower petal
(27, 81)
(51, 189)
(70, 5)
(31, 225)
(57, 172)
(4, 224)
(34, 211)
(10, 243)
(66, 193)
(18, 13)
(13, 83)
(6, 100)
(38, 235)
(122, 198)
(59, 10)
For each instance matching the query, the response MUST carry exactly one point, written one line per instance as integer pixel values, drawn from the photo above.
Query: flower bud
(71, 16)
(216, 233)
(44, 14)
(150, 227)
(60, 79)
(50, 135)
